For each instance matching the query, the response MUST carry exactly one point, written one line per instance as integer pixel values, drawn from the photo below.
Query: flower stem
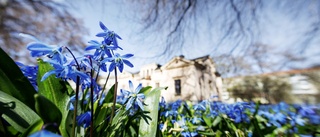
(92, 102)
(77, 96)
(75, 107)
(114, 95)
(104, 86)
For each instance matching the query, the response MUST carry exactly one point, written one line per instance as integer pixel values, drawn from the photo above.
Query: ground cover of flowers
(238, 119)
(38, 101)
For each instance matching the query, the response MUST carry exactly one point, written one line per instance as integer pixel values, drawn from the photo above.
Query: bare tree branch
(47, 20)
(233, 23)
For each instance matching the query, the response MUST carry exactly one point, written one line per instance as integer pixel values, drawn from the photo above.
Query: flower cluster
(97, 112)
(84, 72)
(251, 119)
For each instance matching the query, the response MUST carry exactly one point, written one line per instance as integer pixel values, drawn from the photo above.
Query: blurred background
(263, 50)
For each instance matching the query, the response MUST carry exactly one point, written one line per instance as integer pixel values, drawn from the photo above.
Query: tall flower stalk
(81, 70)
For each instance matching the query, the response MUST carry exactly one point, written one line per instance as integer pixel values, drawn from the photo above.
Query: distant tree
(249, 88)
(232, 23)
(262, 58)
(49, 21)
(314, 78)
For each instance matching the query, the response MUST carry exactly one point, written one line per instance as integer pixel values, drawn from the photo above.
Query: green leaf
(145, 90)
(55, 90)
(118, 123)
(109, 96)
(16, 113)
(149, 129)
(207, 133)
(48, 111)
(207, 120)
(13, 82)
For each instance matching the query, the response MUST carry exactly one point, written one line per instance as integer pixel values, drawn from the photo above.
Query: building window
(177, 85)
(157, 85)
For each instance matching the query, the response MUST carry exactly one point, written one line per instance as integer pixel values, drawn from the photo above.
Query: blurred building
(305, 84)
(292, 86)
(186, 79)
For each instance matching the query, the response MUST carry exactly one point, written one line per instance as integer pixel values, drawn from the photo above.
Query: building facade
(195, 79)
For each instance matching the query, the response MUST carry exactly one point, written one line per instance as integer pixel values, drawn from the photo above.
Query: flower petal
(138, 88)
(117, 36)
(127, 55)
(46, 75)
(140, 104)
(94, 42)
(129, 104)
(141, 96)
(102, 34)
(112, 67)
(39, 46)
(102, 26)
(128, 63)
(131, 86)
(90, 47)
(44, 133)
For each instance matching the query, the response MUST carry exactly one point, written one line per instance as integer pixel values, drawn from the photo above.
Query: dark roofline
(203, 57)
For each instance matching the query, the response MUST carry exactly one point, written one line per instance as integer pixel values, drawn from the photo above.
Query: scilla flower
(39, 49)
(117, 61)
(44, 133)
(110, 37)
(65, 71)
(84, 119)
(134, 96)
(101, 48)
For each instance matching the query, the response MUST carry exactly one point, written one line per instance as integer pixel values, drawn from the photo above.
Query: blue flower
(44, 133)
(182, 123)
(297, 119)
(30, 72)
(123, 97)
(162, 103)
(134, 96)
(65, 71)
(71, 101)
(169, 113)
(189, 134)
(40, 49)
(117, 61)
(101, 48)
(110, 37)
(87, 84)
(201, 128)
(196, 120)
(84, 119)
(175, 105)
(161, 126)
(306, 110)
(200, 107)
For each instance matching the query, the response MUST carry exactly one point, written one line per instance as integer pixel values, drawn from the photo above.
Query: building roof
(292, 72)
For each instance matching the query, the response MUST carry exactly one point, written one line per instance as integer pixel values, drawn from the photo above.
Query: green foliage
(149, 128)
(33, 128)
(16, 113)
(13, 82)
(52, 115)
(57, 91)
